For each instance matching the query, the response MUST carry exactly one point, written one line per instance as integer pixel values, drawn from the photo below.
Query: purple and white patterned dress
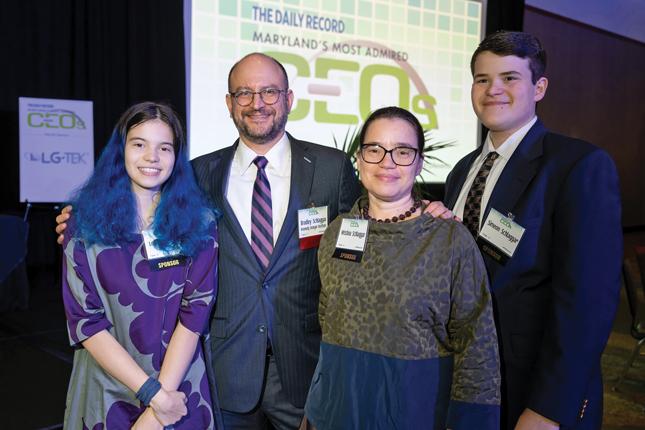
(115, 289)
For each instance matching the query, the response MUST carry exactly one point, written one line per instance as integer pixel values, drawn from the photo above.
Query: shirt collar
(506, 149)
(278, 157)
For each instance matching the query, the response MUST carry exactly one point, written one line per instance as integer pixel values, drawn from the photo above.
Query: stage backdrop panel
(344, 59)
(56, 147)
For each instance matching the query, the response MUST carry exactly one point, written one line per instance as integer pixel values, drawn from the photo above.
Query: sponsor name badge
(312, 223)
(500, 236)
(158, 258)
(351, 241)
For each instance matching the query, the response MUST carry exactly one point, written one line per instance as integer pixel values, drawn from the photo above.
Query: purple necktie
(472, 208)
(261, 215)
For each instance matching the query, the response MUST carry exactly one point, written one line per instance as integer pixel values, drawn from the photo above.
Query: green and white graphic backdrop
(344, 58)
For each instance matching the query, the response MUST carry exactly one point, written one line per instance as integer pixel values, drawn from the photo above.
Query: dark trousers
(274, 411)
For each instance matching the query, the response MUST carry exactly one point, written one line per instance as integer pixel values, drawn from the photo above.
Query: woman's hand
(147, 421)
(65, 214)
(169, 406)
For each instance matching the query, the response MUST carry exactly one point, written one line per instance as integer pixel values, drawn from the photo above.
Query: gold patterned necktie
(472, 208)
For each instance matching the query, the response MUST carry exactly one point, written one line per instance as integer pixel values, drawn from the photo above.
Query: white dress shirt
(239, 191)
(505, 151)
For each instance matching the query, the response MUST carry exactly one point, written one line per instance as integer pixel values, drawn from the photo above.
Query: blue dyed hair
(105, 209)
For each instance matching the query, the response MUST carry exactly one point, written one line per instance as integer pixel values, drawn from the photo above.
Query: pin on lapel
(307, 160)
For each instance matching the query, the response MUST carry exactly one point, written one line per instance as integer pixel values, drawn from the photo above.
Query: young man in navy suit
(545, 210)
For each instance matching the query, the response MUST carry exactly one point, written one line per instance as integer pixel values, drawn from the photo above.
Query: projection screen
(344, 59)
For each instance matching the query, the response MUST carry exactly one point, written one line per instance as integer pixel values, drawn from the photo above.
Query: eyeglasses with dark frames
(374, 153)
(268, 95)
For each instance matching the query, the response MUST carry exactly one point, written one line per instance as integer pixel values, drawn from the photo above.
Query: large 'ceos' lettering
(422, 104)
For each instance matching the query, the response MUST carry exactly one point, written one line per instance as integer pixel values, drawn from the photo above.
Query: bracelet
(148, 391)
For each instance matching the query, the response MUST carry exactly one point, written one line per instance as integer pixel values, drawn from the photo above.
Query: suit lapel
(302, 172)
(518, 172)
(460, 177)
(220, 169)
(220, 182)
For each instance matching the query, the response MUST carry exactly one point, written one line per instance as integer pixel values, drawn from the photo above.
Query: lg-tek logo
(57, 157)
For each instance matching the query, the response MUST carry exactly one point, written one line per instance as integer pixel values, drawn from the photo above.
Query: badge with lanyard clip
(159, 259)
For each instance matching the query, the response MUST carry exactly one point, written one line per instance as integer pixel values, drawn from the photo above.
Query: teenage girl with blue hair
(139, 281)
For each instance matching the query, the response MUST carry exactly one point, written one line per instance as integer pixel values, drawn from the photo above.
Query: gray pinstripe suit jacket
(286, 297)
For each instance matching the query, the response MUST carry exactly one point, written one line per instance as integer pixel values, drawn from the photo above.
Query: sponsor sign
(56, 147)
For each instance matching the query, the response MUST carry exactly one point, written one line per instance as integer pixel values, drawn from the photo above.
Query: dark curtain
(112, 52)
(504, 15)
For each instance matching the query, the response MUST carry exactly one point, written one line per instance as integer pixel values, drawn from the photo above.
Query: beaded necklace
(401, 217)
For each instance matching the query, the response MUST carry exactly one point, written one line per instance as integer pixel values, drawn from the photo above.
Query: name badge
(500, 236)
(312, 223)
(159, 259)
(351, 241)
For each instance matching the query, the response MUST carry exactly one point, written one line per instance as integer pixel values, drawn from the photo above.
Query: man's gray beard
(261, 138)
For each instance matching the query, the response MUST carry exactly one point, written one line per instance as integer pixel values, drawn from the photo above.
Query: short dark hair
(276, 62)
(517, 43)
(395, 112)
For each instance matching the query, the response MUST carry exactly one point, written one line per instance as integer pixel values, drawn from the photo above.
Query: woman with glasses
(408, 334)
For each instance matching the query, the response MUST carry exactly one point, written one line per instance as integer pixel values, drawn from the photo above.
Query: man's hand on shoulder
(64, 215)
(438, 210)
(531, 420)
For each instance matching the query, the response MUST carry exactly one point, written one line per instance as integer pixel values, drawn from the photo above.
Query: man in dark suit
(264, 335)
(545, 210)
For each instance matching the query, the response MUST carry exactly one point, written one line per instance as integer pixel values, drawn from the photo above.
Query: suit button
(261, 328)
(265, 285)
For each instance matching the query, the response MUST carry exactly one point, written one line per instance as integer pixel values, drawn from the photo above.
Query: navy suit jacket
(285, 299)
(556, 298)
